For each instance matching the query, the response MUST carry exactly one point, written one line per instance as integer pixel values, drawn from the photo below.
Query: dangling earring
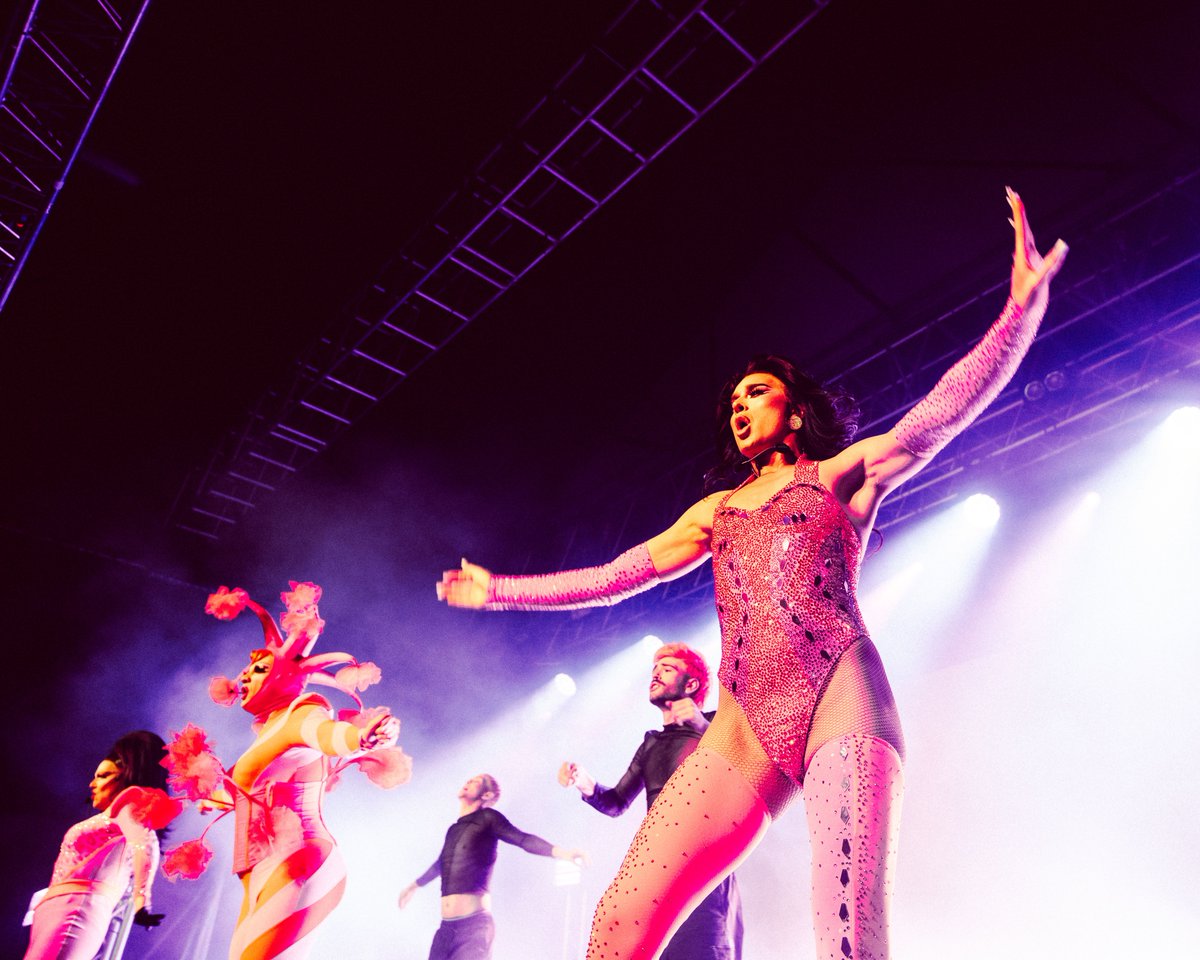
(794, 422)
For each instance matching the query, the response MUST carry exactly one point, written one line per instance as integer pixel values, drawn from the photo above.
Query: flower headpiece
(290, 642)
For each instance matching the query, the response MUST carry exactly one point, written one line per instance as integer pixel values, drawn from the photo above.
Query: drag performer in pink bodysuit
(108, 855)
(804, 701)
(291, 870)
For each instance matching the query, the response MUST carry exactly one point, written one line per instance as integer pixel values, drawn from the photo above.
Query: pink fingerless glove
(627, 575)
(970, 385)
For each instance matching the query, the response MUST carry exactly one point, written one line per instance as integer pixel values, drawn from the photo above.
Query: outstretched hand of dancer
(465, 587)
(384, 732)
(406, 895)
(1031, 272)
(573, 775)
(578, 857)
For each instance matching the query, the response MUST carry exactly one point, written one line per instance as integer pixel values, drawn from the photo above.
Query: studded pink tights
(852, 793)
(705, 821)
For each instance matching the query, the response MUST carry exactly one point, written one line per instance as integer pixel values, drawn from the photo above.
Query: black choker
(752, 462)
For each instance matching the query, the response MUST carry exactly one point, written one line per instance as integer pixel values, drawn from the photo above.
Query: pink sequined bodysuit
(785, 575)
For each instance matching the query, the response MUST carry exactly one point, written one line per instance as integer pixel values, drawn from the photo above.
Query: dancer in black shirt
(465, 866)
(678, 687)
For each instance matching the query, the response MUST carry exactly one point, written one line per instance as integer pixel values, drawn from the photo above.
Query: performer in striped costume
(291, 870)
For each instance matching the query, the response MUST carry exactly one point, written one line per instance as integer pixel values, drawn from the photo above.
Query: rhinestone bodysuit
(785, 575)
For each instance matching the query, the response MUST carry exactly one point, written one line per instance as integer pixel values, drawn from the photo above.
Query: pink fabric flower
(358, 676)
(223, 691)
(192, 768)
(301, 596)
(188, 860)
(301, 625)
(226, 604)
(149, 806)
(387, 768)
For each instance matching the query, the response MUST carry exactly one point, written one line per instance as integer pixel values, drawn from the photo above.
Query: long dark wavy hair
(830, 419)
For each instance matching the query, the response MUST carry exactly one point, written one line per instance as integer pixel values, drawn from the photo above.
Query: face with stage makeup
(106, 783)
(759, 411)
(254, 676)
(268, 683)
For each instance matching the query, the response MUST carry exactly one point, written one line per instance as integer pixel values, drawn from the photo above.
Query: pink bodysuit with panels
(785, 575)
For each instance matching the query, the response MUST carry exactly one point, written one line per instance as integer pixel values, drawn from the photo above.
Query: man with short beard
(678, 687)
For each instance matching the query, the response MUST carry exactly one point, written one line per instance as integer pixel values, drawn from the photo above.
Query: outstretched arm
(975, 381)
(312, 725)
(671, 554)
(432, 873)
(863, 473)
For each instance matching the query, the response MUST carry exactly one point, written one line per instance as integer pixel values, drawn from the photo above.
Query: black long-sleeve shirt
(469, 853)
(656, 759)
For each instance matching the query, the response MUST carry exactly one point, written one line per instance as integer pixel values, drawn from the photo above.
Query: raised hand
(685, 712)
(1031, 272)
(382, 733)
(465, 587)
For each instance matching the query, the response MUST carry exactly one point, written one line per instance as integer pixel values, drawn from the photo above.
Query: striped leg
(287, 897)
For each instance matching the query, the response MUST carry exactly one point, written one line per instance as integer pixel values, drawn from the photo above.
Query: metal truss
(57, 70)
(656, 71)
(1122, 336)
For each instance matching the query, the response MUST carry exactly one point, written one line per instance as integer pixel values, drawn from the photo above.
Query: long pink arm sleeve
(627, 575)
(970, 385)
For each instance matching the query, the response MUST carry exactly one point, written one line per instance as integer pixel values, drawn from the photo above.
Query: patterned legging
(709, 817)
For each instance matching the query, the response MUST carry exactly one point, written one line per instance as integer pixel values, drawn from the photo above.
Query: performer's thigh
(282, 916)
(704, 822)
(852, 793)
(708, 932)
(71, 926)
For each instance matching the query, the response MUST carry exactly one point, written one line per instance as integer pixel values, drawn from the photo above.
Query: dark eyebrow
(752, 383)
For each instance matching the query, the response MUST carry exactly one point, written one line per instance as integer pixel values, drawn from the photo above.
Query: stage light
(651, 643)
(982, 511)
(1183, 425)
(564, 684)
(1055, 380)
(1034, 391)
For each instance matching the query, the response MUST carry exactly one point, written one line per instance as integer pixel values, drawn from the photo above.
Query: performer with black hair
(804, 699)
(107, 856)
